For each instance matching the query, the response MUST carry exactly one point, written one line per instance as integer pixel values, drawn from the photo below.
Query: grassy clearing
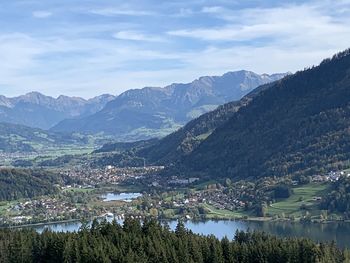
(66, 150)
(303, 195)
(222, 213)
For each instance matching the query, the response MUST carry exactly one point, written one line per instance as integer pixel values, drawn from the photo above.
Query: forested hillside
(151, 242)
(21, 183)
(182, 142)
(299, 125)
(338, 199)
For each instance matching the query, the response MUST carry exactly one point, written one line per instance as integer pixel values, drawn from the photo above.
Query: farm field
(305, 195)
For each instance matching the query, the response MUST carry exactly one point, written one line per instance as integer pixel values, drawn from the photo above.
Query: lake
(339, 232)
(126, 197)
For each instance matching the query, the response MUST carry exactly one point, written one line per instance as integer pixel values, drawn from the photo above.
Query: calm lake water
(339, 232)
(126, 197)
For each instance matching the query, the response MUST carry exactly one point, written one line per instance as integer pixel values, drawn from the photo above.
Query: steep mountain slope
(139, 114)
(182, 142)
(37, 110)
(299, 125)
(19, 138)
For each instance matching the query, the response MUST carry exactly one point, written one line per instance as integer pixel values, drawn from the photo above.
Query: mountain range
(296, 126)
(185, 140)
(37, 110)
(155, 112)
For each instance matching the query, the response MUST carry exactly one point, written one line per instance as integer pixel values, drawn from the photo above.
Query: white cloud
(184, 12)
(120, 12)
(213, 9)
(292, 25)
(137, 36)
(41, 14)
(83, 59)
(17, 52)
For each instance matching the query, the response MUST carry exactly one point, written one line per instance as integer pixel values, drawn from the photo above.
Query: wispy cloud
(120, 12)
(290, 25)
(137, 36)
(154, 43)
(184, 12)
(212, 9)
(42, 14)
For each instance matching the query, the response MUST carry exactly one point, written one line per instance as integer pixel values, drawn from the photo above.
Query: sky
(91, 47)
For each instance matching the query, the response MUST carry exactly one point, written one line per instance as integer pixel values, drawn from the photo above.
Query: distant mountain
(37, 110)
(19, 138)
(182, 142)
(297, 126)
(149, 112)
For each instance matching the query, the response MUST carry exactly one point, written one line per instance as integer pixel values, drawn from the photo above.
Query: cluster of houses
(176, 181)
(47, 209)
(332, 176)
(220, 200)
(110, 174)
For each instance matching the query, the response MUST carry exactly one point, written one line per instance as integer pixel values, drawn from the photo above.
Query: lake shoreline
(41, 224)
(325, 232)
(249, 219)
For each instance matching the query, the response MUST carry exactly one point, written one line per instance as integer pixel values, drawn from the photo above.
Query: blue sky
(86, 48)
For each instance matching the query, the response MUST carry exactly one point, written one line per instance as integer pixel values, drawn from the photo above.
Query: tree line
(155, 242)
(338, 199)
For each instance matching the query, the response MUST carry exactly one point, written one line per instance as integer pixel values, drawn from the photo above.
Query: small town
(110, 174)
(167, 199)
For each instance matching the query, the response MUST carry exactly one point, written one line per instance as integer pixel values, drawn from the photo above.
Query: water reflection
(339, 232)
(126, 197)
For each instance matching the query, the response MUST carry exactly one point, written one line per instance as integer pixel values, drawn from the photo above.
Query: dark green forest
(177, 145)
(152, 242)
(299, 126)
(181, 143)
(27, 183)
(338, 200)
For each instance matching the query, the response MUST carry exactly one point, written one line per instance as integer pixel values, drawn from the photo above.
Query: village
(110, 175)
(164, 197)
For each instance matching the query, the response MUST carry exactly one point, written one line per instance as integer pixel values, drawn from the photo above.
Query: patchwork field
(305, 196)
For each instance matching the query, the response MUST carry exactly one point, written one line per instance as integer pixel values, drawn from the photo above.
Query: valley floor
(162, 199)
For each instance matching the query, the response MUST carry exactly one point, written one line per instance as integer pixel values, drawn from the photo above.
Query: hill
(37, 110)
(299, 125)
(154, 112)
(181, 143)
(21, 183)
(19, 138)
